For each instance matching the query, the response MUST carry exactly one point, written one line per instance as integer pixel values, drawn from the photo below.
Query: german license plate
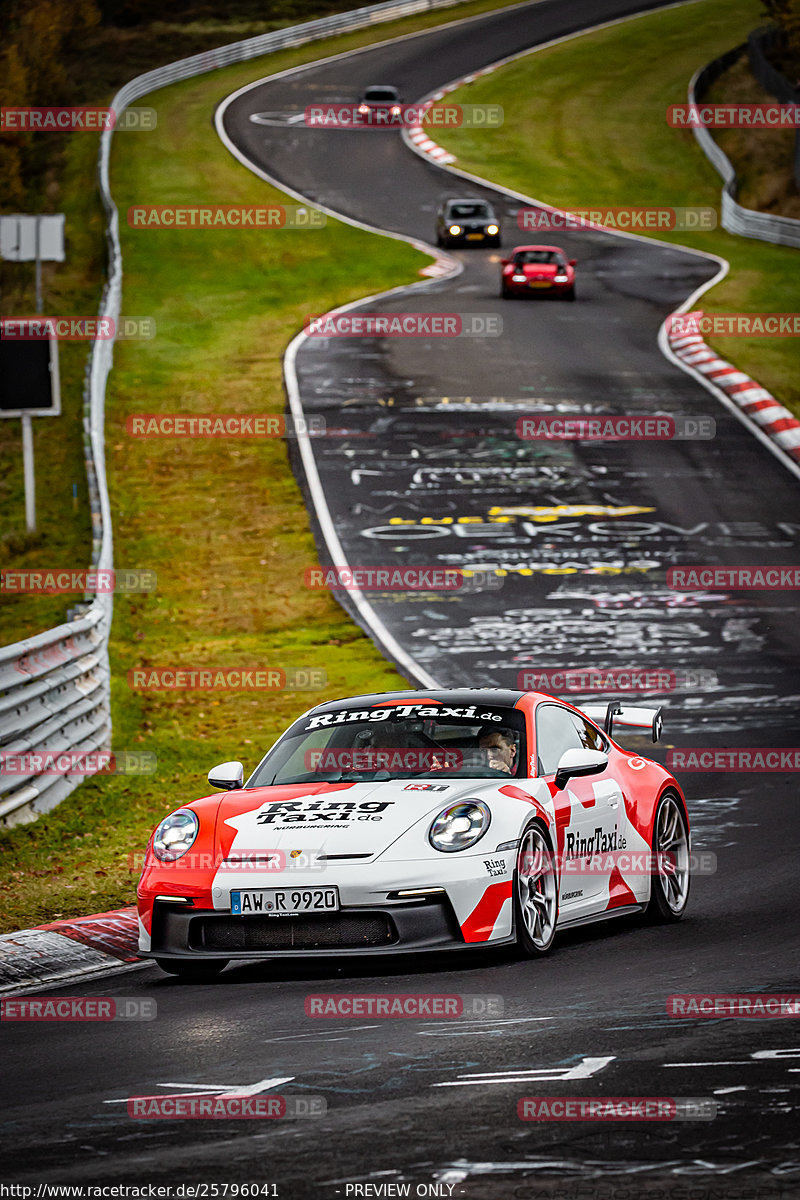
(538, 283)
(284, 902)
(474, 237)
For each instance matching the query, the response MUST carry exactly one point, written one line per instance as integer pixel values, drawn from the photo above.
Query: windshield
(476, 209)
(538, 256)
(380, 93)
(401, 742)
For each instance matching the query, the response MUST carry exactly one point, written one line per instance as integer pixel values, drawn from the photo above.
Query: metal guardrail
(746, 222)
(55, 687)
(760, 44)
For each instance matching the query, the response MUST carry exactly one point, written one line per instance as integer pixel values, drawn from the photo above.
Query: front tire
(197, 971)
(535, 889)
(669, 892)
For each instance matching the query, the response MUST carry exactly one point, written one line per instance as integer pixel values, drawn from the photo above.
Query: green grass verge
(63, 537)
(585, 126)
(222, 523)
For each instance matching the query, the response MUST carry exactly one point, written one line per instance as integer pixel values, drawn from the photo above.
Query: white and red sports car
(419, 821)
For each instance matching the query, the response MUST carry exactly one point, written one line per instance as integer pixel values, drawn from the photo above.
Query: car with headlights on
(418, 821)
(538, 270)
(380, 104)
(469, 221)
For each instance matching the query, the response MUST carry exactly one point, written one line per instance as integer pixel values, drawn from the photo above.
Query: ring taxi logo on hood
(293, 812)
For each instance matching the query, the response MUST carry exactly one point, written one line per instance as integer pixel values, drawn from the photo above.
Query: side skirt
(623, 911)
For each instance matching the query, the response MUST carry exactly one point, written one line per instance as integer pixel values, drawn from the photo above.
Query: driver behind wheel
(502, 747)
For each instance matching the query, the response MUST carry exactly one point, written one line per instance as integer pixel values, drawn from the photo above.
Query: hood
(358, 820)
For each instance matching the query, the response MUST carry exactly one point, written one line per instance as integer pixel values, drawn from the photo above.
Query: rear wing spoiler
(626, 716)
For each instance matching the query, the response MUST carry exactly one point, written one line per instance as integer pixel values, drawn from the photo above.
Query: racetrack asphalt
(411, 1100)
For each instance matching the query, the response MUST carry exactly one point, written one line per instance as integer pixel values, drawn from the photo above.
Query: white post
(38, 265)
(27, 466)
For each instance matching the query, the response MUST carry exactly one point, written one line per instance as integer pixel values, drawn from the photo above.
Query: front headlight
(454, 229)
(492, 230)
(519, 278)
(459, 826)
(561, 278)
(175, 835)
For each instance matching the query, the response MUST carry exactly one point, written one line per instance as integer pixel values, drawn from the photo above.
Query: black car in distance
(467, 221)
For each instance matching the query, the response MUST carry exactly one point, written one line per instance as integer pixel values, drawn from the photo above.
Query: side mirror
(575, 763)
(504, 262)
(573, 262)
(227, 776)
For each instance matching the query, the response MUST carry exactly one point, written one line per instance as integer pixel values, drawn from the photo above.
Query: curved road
(433, 1102)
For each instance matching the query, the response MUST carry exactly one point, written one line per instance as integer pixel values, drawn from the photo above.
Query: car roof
(502, 697)
(539, 246)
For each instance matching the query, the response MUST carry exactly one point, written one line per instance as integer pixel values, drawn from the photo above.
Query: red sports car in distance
(544, 269)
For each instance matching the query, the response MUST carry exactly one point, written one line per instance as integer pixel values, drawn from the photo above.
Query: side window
(591, 738)
(555, 732)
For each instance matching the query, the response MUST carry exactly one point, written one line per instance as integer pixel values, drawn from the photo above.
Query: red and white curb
(441, 265)
(417, 135)
(67, 951)
(754, 401)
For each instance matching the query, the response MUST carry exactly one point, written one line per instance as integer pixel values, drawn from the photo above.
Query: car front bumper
(187, 933)
(474, 237)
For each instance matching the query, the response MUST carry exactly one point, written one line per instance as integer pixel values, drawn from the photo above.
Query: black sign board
(29, 378)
